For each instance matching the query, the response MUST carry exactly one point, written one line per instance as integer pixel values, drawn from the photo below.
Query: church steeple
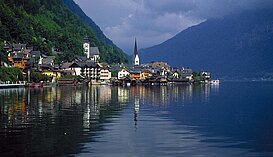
(86, 47)
(135, 50)
(136, 57)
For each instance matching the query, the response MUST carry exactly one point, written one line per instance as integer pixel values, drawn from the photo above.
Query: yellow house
(54, 74)
(145, 74)
(135, 75)
(176, 74)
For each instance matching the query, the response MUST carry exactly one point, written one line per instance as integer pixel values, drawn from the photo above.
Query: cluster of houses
(89, 69)
(25, 58)
(155, 73)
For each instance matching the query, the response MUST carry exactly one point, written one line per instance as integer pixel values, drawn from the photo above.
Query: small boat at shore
(215, 82)
(35, 85)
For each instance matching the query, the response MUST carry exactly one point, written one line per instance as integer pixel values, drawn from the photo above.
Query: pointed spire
(136, 57)
(135, 50)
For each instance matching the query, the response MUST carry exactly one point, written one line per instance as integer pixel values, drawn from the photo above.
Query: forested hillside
(47, 25)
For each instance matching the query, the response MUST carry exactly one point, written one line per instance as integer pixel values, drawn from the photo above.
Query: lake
(230, 119)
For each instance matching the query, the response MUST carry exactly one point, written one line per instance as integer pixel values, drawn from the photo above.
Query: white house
(105, 75)
(123, 73)
(205, 75)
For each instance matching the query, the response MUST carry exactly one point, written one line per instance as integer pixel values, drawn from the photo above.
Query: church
(92, 53)
(136, 61)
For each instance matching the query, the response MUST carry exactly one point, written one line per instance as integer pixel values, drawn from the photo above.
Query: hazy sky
(154, 21)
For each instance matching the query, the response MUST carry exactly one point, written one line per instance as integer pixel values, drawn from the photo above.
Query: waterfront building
(187, 74)
(105, 74)
(65, 68)
(145, 74)
(181, 75)
(135, 75)
(123, 73)
(88, 69)
(205, 76)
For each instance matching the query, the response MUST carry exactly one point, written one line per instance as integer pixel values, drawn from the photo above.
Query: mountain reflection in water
(233, 119)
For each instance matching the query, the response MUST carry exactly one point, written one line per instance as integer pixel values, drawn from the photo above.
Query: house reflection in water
(90, 100)
(184, 92)
(136, 109)
(17, 107)
(123, 95)
(204, 91)
(63, 116)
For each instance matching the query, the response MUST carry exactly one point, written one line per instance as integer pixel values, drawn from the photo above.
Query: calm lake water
(232, 119)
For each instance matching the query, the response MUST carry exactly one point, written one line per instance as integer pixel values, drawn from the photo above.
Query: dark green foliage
(73, 7)
(38, 77)
(112, 53)
(197, 76)
(47, 24)
(114, 73)
(11, 74)
(3, 54)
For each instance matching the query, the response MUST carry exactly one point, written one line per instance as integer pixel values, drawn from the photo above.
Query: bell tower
(86, 47)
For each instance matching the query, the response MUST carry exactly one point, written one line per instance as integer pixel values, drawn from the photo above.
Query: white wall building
(123, 73)
(105, 75)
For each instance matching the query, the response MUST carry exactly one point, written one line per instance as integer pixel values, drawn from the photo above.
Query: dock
(12, 85)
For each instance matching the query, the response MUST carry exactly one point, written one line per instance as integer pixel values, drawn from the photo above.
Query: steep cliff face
(236, 45)
(47, 24)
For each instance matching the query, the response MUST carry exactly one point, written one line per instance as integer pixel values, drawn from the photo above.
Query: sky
(152, 22)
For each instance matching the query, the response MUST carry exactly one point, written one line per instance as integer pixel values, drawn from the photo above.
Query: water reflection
(51, 100)
(55, 115)
(136, 121)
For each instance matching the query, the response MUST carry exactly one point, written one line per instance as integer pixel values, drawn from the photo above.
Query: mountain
(47, 24)
(238, 45)
(75, 8)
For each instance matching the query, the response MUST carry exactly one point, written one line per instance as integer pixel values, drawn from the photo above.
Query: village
(90, 71)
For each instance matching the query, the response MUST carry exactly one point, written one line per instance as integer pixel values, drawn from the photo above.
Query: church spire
(135, 50)
(136, 57)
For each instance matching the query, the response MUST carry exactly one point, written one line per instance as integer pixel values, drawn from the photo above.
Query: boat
(35, 85)
(215, 82)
